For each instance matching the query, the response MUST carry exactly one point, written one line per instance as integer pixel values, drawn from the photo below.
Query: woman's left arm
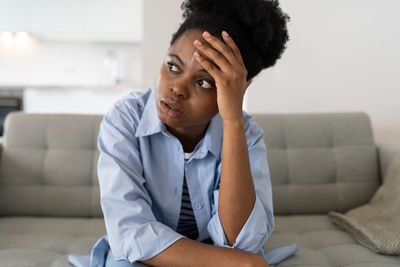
(236, 192)
(237, 196)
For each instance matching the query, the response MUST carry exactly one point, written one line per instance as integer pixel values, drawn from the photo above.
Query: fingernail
(196, 54)
(224, 33)
(197, 42)
(207, 34)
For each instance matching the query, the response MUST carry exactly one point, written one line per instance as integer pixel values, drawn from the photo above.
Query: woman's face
(186, 95)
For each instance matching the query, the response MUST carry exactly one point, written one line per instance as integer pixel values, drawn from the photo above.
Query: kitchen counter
(56, 98)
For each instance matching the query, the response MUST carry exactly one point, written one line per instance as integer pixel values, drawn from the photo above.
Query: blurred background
(80, 56)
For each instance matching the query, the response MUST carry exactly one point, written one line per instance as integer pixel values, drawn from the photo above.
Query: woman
(183, 173)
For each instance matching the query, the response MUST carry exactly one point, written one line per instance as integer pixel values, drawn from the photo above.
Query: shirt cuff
(150, 240)
(253, 234)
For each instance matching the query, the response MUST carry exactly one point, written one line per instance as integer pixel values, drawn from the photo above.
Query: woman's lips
(171, 108)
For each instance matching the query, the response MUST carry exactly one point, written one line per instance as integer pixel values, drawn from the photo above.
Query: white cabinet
(14, 15)
(75, 20)
(110, 19)
(71, 100)
(56, 19)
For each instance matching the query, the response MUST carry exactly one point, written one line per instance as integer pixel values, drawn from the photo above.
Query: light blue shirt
(141, 169)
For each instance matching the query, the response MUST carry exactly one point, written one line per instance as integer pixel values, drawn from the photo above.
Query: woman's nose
(179, 92)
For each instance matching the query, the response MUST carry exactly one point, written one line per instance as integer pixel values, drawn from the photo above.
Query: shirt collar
(150, 124)
(213, 137)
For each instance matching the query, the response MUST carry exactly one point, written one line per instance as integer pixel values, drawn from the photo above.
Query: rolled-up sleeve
(132, 229)
(260, 222)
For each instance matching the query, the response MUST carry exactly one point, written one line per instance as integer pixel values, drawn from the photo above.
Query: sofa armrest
(386, 153)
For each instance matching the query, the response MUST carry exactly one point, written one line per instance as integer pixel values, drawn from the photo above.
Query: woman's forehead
(184, 45)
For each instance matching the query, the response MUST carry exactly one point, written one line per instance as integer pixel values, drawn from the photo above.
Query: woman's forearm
(236, 201)
(187, 252)
(236, 193)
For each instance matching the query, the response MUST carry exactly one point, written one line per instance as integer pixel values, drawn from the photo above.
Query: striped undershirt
(187, 222)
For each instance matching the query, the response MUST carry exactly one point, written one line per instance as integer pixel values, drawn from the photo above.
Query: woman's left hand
(229, 73)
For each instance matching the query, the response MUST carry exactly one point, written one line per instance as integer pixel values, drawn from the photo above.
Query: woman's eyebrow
(178, 58)
(180, 61)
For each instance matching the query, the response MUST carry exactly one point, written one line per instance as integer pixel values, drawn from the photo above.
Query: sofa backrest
(48, 165)
(320, 162)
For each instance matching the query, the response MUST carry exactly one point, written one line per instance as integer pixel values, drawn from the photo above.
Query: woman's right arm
(187, 252)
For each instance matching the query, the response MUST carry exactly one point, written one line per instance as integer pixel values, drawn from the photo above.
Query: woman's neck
(189, 139)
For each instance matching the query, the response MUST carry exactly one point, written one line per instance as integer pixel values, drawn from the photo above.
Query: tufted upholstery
(48, 165)
(317, 164)
(49, 195)
(320, 162)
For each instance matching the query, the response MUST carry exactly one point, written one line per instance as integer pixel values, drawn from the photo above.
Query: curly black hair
(258, 27)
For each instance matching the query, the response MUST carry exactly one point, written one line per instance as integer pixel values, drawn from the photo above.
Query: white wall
(343, 56)
(161, 20)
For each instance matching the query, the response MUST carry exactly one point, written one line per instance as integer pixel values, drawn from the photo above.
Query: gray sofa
(49, 194)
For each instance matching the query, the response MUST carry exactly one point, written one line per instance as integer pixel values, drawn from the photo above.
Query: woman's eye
(204, 84)
(172, 67)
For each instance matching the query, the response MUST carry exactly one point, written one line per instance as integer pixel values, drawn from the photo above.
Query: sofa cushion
(48, 165)
(321, 243)
(376, 224)
(320, 162)
(36, 241)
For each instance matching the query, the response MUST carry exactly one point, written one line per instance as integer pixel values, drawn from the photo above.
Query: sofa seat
(321, 243)
(46, 241)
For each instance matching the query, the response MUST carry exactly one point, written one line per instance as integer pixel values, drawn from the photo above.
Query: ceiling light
(6, 38)
(23, 38)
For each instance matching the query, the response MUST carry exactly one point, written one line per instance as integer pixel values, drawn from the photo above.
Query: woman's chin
(170, 121)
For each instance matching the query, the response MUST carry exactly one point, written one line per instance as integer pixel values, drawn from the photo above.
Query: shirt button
(198, 206)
